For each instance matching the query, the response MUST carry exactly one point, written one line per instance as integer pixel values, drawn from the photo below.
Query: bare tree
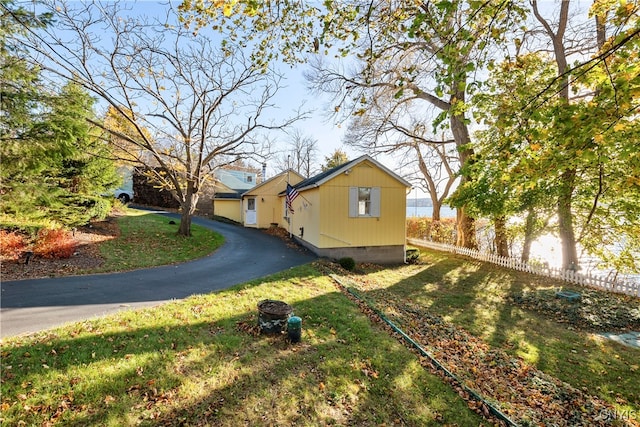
(300, 154)
(392, 128)
(191, 103)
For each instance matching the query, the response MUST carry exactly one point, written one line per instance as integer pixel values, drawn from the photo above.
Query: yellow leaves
(633, 181)
(599, 138)
(535, 146)
(620, 126)
(227, 6)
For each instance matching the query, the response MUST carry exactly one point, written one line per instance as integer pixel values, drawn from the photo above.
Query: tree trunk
(466, 226)
(565, 221)
(466, 230)
(436, 225)
(185, 225)
(187, 208)
(500, 240)
(435, 214)
(565, 215)
(528, 235)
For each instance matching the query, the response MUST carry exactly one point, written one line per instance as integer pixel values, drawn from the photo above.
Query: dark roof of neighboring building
(227, 196)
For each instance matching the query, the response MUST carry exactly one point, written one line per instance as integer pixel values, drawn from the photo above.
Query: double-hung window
(364, 202)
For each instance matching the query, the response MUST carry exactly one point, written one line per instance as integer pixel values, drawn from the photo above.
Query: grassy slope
(475, 296)
(197, 362)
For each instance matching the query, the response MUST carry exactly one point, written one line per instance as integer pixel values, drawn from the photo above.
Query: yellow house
(355, 210)
(228, 205)
(228, 188)
(262, 207)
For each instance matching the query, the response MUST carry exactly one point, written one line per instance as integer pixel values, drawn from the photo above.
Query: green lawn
(200, 361)
(475, 302)
(148, 240)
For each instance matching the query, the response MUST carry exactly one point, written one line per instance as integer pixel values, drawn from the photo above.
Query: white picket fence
(595, 281)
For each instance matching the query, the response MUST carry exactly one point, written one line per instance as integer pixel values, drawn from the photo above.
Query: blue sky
(325, 131)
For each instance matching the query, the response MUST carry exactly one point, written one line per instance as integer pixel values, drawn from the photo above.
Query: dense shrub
(12, 245)
(56, 243)
(347, 263)
(443, 231)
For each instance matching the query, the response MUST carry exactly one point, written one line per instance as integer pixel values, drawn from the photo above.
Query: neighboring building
(263, 206)
(237, 180)
(355, 210)
(228, 189)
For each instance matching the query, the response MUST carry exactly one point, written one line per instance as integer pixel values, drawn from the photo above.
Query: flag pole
(286, 195)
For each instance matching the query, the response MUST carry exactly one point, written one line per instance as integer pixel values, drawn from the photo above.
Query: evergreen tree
(54, 164)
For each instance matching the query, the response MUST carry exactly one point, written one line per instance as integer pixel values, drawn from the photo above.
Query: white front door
(250, 217)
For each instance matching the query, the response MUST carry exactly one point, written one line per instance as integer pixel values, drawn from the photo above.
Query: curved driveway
(247, 254)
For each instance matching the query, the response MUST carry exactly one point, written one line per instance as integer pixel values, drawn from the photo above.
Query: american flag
(292, 193)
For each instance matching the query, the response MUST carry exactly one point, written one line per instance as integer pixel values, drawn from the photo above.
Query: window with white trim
(364, 202)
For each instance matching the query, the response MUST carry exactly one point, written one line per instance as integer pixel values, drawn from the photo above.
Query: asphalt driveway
(247, 254)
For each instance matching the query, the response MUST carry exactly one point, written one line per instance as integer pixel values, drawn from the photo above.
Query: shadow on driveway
(247, 254)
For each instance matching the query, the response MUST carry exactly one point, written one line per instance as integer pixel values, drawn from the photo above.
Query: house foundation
(391, 254)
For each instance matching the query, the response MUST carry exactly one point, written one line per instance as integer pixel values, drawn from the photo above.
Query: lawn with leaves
(199, 362)
(540, 366)
(145, 237)
(538, 359)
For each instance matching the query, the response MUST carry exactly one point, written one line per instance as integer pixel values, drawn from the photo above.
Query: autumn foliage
(12, 245)
(56, 243)
(443, 231)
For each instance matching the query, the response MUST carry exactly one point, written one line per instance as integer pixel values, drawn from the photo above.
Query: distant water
(546, 249)
(422, 211)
